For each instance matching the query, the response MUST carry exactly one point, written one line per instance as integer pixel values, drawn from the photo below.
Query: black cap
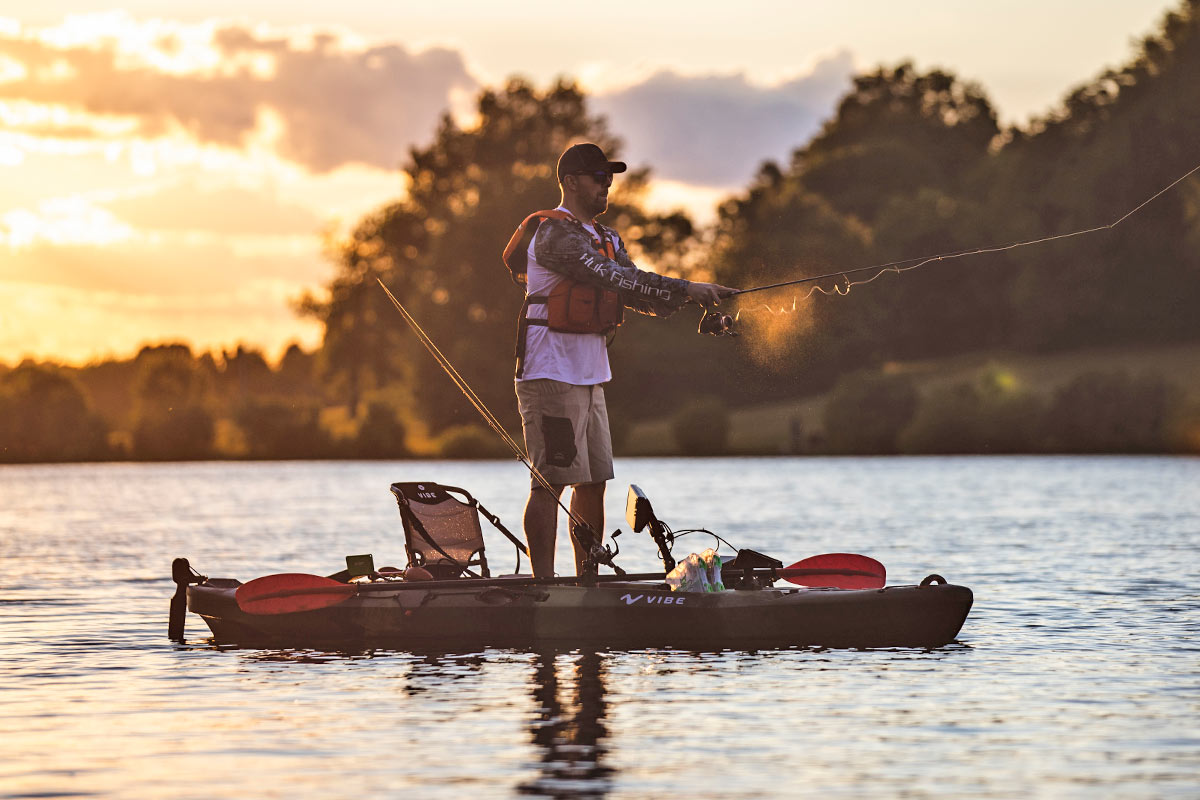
(585, 157)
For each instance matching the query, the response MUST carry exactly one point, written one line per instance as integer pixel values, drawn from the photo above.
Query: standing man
(578, 277)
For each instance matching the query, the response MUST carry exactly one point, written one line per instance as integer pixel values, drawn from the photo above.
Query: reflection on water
(1075, 676)
(568, 725)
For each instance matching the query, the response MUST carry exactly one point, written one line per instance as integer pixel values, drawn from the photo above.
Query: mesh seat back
(441, 533)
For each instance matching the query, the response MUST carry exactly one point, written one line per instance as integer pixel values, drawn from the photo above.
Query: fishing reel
(597, 553)
(716, 323)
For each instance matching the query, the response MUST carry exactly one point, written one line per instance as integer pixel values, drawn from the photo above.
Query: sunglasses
(602, 176)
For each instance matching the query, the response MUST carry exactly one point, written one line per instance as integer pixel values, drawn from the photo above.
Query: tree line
(911, 164)
(168, 403)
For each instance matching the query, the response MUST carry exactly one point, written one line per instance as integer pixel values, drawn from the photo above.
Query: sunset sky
(167, 169)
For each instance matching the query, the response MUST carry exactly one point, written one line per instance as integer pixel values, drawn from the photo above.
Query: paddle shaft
(567, 580)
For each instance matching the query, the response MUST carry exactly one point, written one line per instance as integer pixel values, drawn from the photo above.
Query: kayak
(520, 611)
(703, 601)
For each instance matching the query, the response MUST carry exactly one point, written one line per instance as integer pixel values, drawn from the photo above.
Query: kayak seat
(442, 533)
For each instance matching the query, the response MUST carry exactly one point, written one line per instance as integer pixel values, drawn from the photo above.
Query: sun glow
(700, 202)
(62, 221)
(12, 70)
(68, 322)
(10, 154)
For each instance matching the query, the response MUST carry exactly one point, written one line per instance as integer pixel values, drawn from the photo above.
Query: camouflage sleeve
(564, 247)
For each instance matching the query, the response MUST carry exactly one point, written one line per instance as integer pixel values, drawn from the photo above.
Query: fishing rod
(597, 553)
(718, 323)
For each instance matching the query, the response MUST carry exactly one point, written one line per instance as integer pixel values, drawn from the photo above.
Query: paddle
(838, 570)
(290, 592)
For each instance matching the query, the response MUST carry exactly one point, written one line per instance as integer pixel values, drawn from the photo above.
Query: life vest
(571, 306)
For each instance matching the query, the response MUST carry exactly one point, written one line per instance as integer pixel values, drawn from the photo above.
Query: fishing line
(907, 264)
(597, 552)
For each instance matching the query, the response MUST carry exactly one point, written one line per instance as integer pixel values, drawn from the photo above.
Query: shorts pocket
(559, 438)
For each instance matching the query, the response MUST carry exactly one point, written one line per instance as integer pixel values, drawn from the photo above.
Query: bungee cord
(599, 553)
(908, 264)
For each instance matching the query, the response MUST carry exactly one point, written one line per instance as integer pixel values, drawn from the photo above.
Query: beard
(597, 205)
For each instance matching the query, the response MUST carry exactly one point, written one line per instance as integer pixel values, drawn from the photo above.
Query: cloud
(715, 130)
(227, 210)
(324, 103)
(164, 266)
(336, 105)
(170, 181)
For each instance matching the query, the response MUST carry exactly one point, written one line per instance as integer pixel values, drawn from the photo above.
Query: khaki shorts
(566, 431)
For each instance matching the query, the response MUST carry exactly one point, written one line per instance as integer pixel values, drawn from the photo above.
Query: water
(1076, 675)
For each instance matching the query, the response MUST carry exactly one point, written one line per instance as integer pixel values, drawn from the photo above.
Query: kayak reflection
(568, 725)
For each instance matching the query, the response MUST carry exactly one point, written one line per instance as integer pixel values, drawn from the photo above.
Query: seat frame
(414, 528)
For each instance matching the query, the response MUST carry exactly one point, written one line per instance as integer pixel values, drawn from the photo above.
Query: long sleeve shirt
(565, 250)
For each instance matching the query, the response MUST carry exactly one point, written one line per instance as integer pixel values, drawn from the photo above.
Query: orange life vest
(572, 306)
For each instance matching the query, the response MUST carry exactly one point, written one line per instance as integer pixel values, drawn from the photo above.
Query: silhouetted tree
(1110, 412)
(279, 428)
(296, 373)
(990, 413)
(897, 132)
(172, 418)
(886, 178)
(381, 434)
(701, 426)
(44, 416)
(245, 372)
(439, 251)
(1112, 143)
(866, 411)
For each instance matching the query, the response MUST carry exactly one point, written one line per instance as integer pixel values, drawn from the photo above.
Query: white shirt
(578, 358)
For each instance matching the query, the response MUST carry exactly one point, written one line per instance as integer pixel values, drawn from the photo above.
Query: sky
(169, 171)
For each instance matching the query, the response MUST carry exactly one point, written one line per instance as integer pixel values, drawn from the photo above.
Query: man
(578, 278)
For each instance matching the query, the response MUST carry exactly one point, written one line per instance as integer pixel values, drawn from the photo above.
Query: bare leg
(541, 529)
(587, 503)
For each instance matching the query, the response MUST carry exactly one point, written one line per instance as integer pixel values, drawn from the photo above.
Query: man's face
(591, 188)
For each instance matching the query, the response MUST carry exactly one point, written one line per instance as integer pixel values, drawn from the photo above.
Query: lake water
(1076, 675)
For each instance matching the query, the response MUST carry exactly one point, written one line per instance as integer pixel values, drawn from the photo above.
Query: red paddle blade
(290, 592)
(839, 570)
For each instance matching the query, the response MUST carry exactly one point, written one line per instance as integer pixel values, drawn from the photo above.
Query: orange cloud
(337, 105)
(166, 266)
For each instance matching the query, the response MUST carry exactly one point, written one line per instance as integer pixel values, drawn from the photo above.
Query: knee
(591, 491)
(540, 494)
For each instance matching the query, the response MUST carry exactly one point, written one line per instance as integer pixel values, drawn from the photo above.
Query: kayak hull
(610, 614)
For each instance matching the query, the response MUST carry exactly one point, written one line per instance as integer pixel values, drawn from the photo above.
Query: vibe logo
(653, 599)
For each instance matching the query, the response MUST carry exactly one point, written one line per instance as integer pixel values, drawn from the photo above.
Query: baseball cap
(586, 157)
